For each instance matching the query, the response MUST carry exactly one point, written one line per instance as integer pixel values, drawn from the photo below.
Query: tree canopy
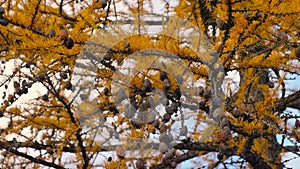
(123, 84)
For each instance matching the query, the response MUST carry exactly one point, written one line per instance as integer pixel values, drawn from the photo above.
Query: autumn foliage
(85, 84)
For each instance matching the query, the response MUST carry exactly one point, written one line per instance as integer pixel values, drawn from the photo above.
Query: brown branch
(188, 155)
(28, 28)
(205, 14)
(61, 6)
(196, 146)
(74, 121)
(269, 13)
(292, 101)
(35, 13)
(7, 146)
(60, 15)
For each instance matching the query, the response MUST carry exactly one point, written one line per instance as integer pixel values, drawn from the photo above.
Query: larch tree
(116, 84)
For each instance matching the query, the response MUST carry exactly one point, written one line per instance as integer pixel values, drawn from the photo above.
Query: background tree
(68, 124)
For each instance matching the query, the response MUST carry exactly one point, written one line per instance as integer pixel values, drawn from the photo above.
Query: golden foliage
(257, 39)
